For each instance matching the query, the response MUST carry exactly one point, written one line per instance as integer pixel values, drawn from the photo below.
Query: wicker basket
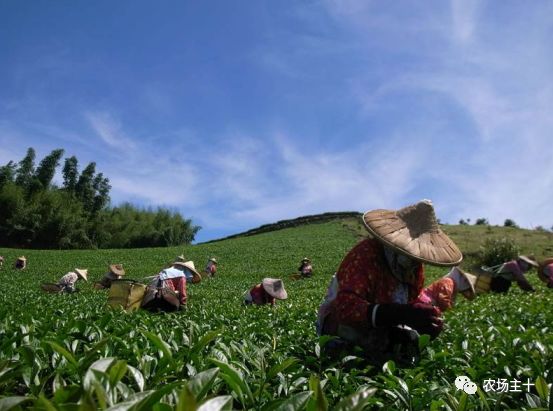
(126, 294)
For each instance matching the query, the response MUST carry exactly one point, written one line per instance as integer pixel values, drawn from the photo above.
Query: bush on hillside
(510, 223)
(498, 251)
(481, 221)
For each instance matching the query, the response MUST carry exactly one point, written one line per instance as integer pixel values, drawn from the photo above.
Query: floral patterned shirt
(364, 278)
(440, 293)
(68, 279)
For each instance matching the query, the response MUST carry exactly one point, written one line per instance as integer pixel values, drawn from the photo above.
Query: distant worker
(442, 293)
(21, 263)
(1, 261)
(504, 274)
(266, 292)
(211, 267)
(305, 268)
(545, 272)
(167, 291)
(371, 302)
(66, 284)
(115, 272)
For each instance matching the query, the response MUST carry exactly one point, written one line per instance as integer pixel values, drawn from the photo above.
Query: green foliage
(498, 251)
(47, 168)
(510, 223)
(71, 352)
(481, 221)
(36, 214)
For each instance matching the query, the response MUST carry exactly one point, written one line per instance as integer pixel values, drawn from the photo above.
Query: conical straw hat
(117, 269)
(414, 231)
(83, 273)
(275, 288)
(529, 260)
(196, 278)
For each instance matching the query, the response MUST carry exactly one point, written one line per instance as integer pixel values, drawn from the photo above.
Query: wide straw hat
(275, 288)
(213, 259)
(471, 279)
(414, 231)
(22, 258)
(83, 273)
(117, 269)
(196, 277)
(181, 258)
(306, 260)
(530, 260)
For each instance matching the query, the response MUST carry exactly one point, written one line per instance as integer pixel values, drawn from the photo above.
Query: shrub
(497, 251)
(481, 221)
(510, 223)
(462, 222)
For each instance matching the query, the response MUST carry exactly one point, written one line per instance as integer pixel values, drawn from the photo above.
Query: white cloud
(109, 130)
(464, 15)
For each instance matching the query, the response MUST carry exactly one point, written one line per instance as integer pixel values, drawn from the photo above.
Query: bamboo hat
(471, 280)
(275, 288)
(117, 269)
(414, 231)
(83, 273)
(196, 277)
(213, 259)
(530, 260)
(22, 258)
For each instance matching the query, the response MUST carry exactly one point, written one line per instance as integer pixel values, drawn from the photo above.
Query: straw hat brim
(434, 248)
(528, 260)
(82, 273)
(196, 277)
(471, 279)
(267, 286)
(114, 270)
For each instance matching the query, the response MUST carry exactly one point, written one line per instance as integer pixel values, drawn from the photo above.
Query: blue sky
(242, 113)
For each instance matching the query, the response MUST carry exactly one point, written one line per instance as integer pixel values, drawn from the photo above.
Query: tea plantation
(70, 352)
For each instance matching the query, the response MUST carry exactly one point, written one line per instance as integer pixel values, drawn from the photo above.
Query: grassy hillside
(52, 346)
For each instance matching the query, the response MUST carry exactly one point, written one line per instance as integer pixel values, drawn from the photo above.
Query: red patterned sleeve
(354, 286)
(443, 293)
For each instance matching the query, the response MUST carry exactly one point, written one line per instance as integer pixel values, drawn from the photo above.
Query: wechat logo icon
(464, 383)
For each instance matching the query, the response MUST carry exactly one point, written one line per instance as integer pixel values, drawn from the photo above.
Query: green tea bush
(497, 251)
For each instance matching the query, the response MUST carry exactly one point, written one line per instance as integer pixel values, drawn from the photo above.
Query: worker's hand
(428, 319)
(424, 318)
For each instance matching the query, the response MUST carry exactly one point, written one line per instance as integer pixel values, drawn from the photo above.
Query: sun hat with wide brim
(414, 231)
(117, 269)
(82, 272)
(306, 259)
(22, 258)
(196, 277)
(213, 259)
(541, 267)
(529, 260)
(275, 288)
(471, 279)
